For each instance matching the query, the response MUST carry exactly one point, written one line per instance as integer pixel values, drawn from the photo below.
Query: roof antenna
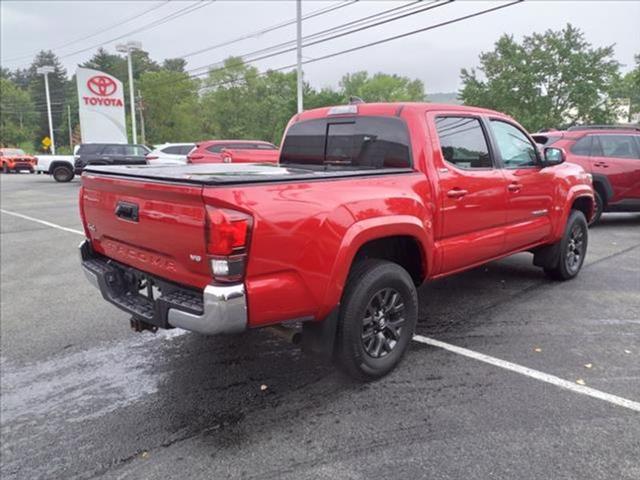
(353, 100)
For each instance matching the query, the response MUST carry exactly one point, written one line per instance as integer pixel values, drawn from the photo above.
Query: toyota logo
(102, 85)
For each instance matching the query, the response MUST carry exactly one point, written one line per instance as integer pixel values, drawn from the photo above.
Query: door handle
(127, 211)
(456, 193)
(601, 164)
(514, 187)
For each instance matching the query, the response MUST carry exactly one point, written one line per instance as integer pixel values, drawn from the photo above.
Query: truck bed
(234, 174)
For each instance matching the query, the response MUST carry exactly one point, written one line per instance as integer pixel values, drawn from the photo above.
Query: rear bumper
(215, 310)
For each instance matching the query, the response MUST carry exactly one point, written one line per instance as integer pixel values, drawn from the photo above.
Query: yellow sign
(46, 142)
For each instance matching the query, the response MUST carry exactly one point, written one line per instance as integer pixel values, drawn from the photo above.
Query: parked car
(612, 155)
(15, 160)
(170, 154)
(234, 151)
(104, 154)
(368, 202)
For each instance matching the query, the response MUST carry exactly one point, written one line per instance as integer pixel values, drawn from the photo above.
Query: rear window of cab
(364, 142)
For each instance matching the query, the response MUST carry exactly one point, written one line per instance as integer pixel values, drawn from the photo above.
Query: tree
(18, 117)
(382, 87)
(549, 80)
(57, 88)
(627, 90)
(174, 64)
(170, 102)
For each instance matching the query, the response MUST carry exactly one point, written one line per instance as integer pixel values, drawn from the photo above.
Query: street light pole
(46, 71)
(128, 48)
(299, 52)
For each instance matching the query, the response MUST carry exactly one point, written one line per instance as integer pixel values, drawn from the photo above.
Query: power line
(172, 16)
(326, 32)
(121, 22)
(272, 28)
(378, 42)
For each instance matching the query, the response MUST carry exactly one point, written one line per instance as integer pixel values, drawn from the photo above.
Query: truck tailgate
(155, 227)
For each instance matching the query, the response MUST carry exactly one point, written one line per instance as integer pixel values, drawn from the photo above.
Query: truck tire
(377, 318)
(599, 208)
(5, 168)
(573, 248)
(62, 173)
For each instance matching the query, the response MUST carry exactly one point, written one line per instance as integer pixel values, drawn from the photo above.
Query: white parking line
(529, 372)
(43, 222)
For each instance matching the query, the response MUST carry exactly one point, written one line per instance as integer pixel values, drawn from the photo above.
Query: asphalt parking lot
(84, 397)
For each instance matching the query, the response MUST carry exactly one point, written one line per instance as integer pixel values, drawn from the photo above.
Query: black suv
(101, 154)
(109, 154)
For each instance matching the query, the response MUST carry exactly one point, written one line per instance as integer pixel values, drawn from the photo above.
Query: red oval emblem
(101, 85)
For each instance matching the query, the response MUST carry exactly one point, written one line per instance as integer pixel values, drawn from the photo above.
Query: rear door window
(89, 149)
(350, 143)
(216, 148)
(617, 146)
(463, 142)
(118, 150)
(174, 150)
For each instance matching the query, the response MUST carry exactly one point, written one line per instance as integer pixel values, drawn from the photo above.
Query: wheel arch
(381, 237)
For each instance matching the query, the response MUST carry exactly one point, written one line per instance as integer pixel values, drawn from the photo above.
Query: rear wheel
(377, 319)
(573, 248)
(62, 173)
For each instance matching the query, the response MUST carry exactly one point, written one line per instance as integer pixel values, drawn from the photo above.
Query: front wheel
(573, 248)
(63, 173)
(377, 319)
(5, 168)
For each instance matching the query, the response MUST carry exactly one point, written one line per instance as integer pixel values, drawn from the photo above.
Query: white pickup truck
(58, 166)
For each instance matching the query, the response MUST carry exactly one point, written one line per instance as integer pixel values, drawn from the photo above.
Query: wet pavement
(84, 397)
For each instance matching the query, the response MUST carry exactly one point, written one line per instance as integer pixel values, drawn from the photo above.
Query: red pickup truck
(368, 201)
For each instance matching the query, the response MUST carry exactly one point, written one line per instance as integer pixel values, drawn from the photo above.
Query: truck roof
(394, 109)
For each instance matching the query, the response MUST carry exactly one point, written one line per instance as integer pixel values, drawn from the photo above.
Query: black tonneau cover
(232, 174)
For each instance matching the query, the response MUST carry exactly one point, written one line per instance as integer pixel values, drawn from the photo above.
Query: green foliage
(18, 118)
(170, 106)
(382, 87)
(58, 88)
(548, 80)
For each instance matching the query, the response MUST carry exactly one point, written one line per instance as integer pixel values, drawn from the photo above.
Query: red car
(368, 201)
(15, 159)
(611, 155)
(234, 151)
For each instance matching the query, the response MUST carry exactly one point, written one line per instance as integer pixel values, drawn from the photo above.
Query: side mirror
(553, 156)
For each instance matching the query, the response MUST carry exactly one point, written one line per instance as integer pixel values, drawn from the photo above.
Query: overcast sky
(435, 56)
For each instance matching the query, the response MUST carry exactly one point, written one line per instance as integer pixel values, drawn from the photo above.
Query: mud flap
(547, 257)
(319, 338)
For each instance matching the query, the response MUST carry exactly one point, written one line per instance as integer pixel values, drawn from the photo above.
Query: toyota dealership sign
(101, 107)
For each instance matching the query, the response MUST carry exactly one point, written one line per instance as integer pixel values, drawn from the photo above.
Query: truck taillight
(227, 239)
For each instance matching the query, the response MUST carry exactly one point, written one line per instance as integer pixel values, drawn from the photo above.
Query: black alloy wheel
(383, 322)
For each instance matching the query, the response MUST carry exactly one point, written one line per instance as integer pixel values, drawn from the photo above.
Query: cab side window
(515, 148)
(463, 142)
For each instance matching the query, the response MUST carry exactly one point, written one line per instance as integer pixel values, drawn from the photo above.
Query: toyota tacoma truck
(368, 201)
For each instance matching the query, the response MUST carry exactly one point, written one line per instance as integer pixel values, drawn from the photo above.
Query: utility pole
(128, 48)
(299, 52)
(69, 126)
(46, 71)
(141, 110)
